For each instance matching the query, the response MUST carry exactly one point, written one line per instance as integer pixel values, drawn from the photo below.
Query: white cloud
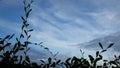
(108, 21)
(66, 23)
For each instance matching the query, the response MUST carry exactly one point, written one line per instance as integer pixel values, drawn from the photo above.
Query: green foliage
(10, 58)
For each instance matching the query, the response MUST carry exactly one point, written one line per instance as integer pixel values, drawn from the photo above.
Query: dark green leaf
(105, 60)
(103, 51)
(29, 10)
(110, 45)
(91, 58)
(25, 9)
(24, 22)
(31, 1)
(46, 48)
(1, 48)
(27, 25)
(34, 65)
(28, 6)
(28, 13)
(96, 60)
(28, 49)
(22, 27)
(49, 60)
(25, 53)
(7, 37)
(100, 45)
(100, 56)
(11, 36)
(97, 53)
(1, 41)
(23, 18)
(53, 65)
(8, 44)
(24, 2)
(1, 56)
(21, 36)
(19, 43)
(21, 49)
(67, 61)
(15, 46)
(17, 39)
(28, 37)
(40, 43)
(30, 30)
(25, 32)
(113, 62)
(27, 59)
(42, 61)
(58, 62)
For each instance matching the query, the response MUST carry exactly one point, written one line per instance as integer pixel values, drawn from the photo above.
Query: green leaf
(1, 48)
(91, 58)
(49, 60)
(58, 61)
(22, 27)
(28, 6)
(24, 22)
(28, 13)
(25, 9)
(15, 46)
(31, 1)
(24, 2)
(21, 49)
(113, 62)
(100, 45)
(42, 61)
(105, 60)
(1, 41)
(29, 10)
(30, 30)
(19, 43)
(97, 53)
(110, 45)
(25, 32)
(28, 49)
(53, 65)
(34, 64)
(103, 51)
(23, 18)
(7, 37)
(8, 44)
(27, 59)
(67, 61)
(1, 56)
(46, 48)
(28, 37)
(11, 36)
(100, 56)
(17, 39)
(27, 25)
(21, 36)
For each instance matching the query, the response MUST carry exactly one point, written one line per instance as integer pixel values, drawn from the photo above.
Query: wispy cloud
(64, 23)
(9, 27)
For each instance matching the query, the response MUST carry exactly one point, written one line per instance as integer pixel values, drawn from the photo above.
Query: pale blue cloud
(62, 23)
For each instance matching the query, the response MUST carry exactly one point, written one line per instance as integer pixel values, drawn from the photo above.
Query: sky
(62, 24)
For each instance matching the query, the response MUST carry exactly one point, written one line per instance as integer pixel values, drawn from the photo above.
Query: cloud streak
(61, 24)
(65, 23)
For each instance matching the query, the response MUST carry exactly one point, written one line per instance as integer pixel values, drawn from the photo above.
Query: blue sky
(62, 24)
